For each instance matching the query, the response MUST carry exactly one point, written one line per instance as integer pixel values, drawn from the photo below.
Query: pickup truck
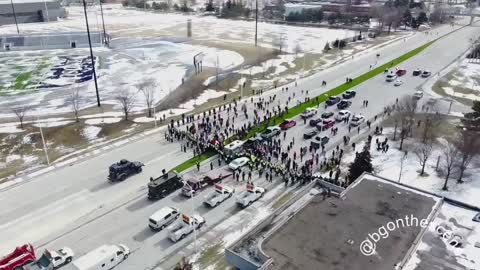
(220, 194)
(194, 186)
(185, 226)
(252, 194)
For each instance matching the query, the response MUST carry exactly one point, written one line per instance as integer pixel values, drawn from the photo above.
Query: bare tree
(279, 42)
(297, 49)
(423, 153)
(468, 144)
(450, 158)
(430, 125)
(405, 112)
(20, 112)
(74, 100)
(147, 89)
(126, 100)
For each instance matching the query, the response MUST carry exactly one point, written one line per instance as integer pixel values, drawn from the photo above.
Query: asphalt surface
(75, 206)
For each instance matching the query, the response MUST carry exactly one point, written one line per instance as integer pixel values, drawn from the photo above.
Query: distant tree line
(234, 8)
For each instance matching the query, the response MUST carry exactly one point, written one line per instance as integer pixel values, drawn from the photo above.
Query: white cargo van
(105, 257)
(163, 217)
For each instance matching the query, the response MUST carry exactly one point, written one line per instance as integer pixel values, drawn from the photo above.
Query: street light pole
(43, 141)
(15, 16)
(103, 23)
(256, 21)
(91, 53)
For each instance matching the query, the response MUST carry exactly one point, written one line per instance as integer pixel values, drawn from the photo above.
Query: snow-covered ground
(465, 76)
(388, 165)
(147, 47)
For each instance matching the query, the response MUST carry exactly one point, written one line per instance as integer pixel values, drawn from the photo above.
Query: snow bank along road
(77, 207)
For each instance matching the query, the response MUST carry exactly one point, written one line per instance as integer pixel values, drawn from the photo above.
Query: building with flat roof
(28, 11)
(374, 224)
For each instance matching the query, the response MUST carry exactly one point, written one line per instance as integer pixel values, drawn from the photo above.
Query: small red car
(401, 72)
(287, 124)
(328, 123)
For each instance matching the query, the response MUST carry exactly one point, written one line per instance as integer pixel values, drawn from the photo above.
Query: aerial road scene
(239, 134)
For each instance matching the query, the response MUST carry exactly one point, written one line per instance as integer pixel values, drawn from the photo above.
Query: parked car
(342, 115)
(397, 82)
(322, 139)
(333, 100)
(357, 120)
(60, 257)
(349, 94)
(426, 74)
(121, 170)
(309, 134)
(326, 115)
(163, 217)
(391, 77)
(220, 194)
(196, 185)
(344, 104)
(249, 196)
(417, 72)
(418, 94)
(287, 124)
(401, 72)
(270, 132)
(326, 124)
(309, 112)
(238, 163)
(185, 226)
(315, 121)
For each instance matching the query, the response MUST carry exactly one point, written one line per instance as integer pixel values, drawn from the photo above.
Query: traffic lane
(129, 223)
(61, 210)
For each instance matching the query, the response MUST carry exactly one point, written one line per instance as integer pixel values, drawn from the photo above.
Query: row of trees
(456, 153)
(185, 6)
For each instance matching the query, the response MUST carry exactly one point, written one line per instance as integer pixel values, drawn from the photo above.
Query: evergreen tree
(471, 120)
(327, 47)
(209, 6)
(361, 164)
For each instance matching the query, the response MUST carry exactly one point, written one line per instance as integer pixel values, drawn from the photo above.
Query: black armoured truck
(164, 185)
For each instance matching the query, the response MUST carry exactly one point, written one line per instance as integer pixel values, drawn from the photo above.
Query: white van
(233, 148)
(103, 258)
(163, 217)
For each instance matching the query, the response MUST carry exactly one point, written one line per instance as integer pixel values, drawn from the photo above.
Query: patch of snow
(53, 124)
(100, 121)
(91, 132)
(12, 157)
(10, 129)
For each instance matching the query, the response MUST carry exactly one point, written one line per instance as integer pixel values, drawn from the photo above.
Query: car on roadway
(327, 115)
(123, 169)
(333, 100)
(60, 257)
(349, 94)
(344, 104)
(418, 94)
(398, 82)
(252, 142)
(391, 77)
(322, 139)
(309, 112)
(326, 124)
(314, 122)
(342, 115)
(426, 74)
(357, 119)
(270, 132)
(238, 163)
(400, 72)
(417, 72)
(287, 124)
(309, 134)
(163, 217)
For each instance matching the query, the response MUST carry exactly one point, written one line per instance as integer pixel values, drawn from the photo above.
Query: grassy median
(296, 110)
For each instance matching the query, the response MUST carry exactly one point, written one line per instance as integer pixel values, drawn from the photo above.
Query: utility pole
(103, 23)
(91, 53)
(43, 141)
(15, 17)
(256, 21)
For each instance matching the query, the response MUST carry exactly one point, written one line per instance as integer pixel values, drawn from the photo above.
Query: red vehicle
(194, 186)
(328, 123)
(287, 124)
(18, 258)
(401, 72)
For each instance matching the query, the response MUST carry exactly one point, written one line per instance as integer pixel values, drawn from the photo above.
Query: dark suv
(121, 170)
(349, 94)
(333, 100)
(344, 104)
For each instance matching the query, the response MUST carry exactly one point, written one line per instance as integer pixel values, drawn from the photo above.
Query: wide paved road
(75, 206)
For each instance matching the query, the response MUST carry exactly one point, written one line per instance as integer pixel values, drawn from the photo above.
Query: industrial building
(29, 11)
(374, 224)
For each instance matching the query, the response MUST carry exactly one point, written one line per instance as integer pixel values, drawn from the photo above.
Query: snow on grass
(100, 121)
(53, 124)
(91, 132)
(10, 129)
(12, 157)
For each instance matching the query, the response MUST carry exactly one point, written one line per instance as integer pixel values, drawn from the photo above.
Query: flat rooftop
(326, 234)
